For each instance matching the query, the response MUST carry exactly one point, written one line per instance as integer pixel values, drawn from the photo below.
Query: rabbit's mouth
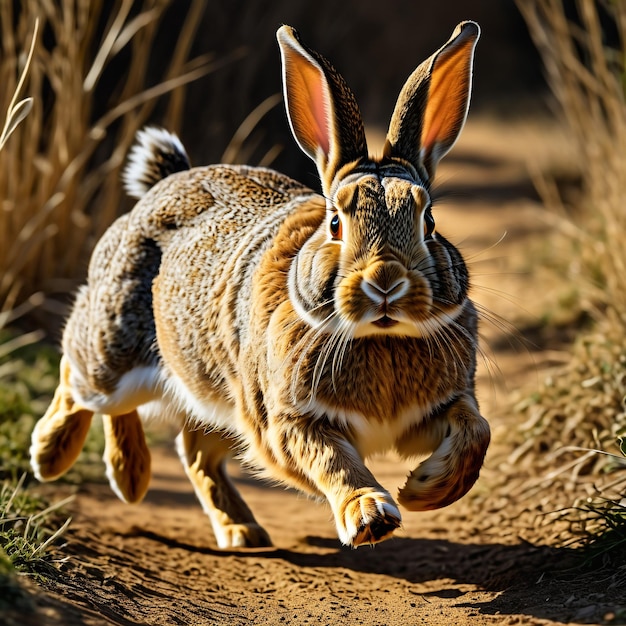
(385, 322)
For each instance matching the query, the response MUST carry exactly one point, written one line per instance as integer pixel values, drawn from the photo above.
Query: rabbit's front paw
(367, 517)
(243, 536)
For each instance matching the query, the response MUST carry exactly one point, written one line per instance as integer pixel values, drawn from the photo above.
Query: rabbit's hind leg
(204, 456)
(126, 456)
(59, 435)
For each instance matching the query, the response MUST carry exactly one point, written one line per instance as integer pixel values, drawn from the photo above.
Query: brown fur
(303, 332)
(126, 455)
(60, 434)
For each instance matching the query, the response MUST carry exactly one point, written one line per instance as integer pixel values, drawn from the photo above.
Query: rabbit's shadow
(520, 573)
(491, 566)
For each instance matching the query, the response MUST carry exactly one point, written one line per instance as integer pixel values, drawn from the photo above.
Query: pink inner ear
(430, 138)
(447, 101)
(319, 107)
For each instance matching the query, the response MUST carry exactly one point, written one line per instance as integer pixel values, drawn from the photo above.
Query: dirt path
(156, 563)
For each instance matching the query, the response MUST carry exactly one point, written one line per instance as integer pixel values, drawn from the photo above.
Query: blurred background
(210, 71)
(533, 194)
(375, 49)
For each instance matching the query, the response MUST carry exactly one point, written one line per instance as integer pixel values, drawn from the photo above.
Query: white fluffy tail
(156, 154)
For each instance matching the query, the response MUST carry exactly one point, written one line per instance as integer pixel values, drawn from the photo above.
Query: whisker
(304, 346)
(499, 323)
(346, 336)
(448, 336)
(320, 362)
(502, 295)
(330, 347)
(493, 246)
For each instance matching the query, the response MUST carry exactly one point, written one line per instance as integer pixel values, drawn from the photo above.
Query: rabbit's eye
(429, 224)
(336, 230)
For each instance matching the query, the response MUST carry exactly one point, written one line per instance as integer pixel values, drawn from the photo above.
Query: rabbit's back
(222, 202)
(213, 226)
(193, 239)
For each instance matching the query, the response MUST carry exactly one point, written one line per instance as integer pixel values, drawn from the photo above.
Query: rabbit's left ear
(433, 104)
(323, 113)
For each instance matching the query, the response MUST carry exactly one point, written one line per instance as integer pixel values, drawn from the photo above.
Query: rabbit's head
(377, 265)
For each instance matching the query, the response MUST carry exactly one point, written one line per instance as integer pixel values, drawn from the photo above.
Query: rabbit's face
(376, 265)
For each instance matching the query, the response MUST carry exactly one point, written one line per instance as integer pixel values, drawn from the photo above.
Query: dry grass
(584, 61)
(73, 95)
(59, 171)
(19, 109)
(580, 412)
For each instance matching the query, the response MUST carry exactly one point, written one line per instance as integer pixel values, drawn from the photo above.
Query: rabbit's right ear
(323, 114)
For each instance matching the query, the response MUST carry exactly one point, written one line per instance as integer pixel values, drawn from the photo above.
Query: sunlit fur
(232, 302)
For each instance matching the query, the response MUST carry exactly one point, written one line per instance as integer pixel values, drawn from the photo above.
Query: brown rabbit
(303, 332)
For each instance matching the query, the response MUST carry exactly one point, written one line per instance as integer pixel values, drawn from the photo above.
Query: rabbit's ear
(433, 103)
(324, 116)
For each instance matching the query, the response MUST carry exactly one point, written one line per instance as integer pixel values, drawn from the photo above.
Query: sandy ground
(157, 562)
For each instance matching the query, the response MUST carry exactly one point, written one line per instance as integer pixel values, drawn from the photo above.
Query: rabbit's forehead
(367, 192)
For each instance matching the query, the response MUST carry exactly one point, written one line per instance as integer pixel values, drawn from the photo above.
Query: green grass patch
(29, 528)
(28, 378)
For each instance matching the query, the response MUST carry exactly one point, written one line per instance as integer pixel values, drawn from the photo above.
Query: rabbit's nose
(385, 282)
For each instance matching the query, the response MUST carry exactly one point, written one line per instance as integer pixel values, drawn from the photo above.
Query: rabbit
(302, 332)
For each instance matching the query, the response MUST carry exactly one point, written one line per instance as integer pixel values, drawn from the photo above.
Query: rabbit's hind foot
(204, 457)
(250, 535)
(126, 456)
(59, 436)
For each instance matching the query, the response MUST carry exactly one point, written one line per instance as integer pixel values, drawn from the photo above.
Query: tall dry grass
(584, 61)
(17, 110)
(583, 47)
(580, 413)
(59, 171)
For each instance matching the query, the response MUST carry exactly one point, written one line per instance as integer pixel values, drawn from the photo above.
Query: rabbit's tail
(155, 155)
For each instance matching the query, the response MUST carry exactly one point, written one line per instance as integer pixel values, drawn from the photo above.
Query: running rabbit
(304, 332)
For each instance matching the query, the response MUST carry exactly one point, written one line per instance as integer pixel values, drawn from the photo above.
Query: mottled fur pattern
(303, 331)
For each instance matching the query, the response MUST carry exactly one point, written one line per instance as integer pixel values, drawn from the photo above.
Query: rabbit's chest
(372, 434)
(389, 380)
